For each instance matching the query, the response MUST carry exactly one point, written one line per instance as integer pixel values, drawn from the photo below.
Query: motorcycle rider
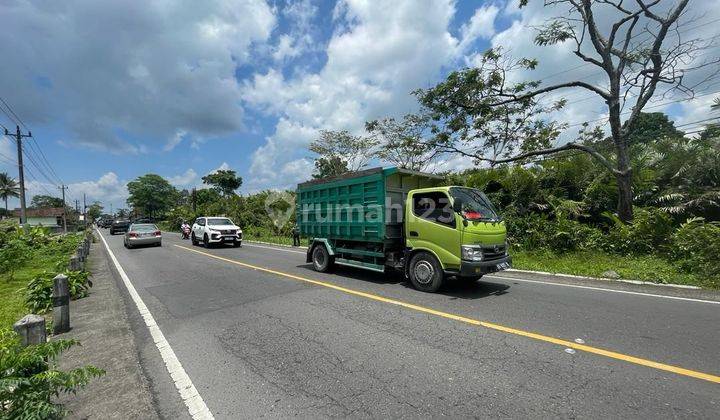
(185, 229)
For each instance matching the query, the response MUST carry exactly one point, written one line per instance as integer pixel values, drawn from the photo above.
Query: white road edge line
(628, 292)
(188, 393)
(577, 286)
(275, 248)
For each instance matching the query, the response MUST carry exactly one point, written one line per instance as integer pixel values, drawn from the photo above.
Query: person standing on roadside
(296, 235)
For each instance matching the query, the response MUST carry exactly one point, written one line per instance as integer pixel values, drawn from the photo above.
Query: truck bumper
(479, 268)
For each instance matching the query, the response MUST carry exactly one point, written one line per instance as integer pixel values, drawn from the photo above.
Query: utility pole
(84, 209)
(63, 188)
(18, 138)
(77, 207)
(193, 199)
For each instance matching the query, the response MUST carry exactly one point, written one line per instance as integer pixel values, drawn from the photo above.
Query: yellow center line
(497, 327)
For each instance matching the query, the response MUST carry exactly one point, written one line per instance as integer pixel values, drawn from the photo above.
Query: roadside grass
(12, 298)
(583, 263)
(280, 240)
(593, 264)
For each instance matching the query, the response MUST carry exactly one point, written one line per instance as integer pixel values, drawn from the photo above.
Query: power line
(647, 107)
(585, 64)
(17, 119)
(34, 147)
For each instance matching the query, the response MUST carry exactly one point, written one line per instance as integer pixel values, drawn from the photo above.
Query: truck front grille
(493, 252)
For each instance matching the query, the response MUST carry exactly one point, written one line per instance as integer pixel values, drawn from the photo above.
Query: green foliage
(695, 248)
(13, 254)
(44, 201)
(151, 195)
(29, 378)
(8, 188)
(339, 152)
(225, 181)
(402, 143)
(38, 293)
(94, 211)
(651, 127)
(474, 116)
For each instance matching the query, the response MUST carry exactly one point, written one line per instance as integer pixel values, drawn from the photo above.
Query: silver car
(143, 234)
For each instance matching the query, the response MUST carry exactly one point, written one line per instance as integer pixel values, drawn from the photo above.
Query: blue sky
(115, 90)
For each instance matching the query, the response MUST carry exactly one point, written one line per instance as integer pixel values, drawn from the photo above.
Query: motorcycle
(186, 232)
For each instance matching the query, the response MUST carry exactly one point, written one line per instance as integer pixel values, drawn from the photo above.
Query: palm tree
(8, 188)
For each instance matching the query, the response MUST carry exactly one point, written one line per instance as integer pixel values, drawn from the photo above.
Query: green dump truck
(392, 218)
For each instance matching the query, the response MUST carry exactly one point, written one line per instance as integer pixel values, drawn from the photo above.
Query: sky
(113, 90)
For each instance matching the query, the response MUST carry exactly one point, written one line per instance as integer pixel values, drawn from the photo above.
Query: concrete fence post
(61, 304)
(80, 254)
(74, 263)
(31, 329)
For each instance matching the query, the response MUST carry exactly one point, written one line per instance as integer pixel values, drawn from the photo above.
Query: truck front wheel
(321, 259)
(425, 272)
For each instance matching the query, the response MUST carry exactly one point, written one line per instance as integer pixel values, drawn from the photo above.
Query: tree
(8, 188)
(340, 152)
(632, 54)
(328, 167)
(651, 127)
(402, 142)
(224, 180)
(94, 211)
(151, 195)
(46, 201)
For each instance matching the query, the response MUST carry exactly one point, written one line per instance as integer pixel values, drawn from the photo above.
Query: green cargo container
(376, 198)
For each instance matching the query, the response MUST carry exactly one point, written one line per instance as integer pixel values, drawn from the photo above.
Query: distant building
(50, 217)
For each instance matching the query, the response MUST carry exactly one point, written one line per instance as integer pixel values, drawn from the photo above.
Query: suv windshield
(219, 222)
(474, 204)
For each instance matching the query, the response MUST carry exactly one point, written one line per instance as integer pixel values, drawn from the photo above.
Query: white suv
(215, 230)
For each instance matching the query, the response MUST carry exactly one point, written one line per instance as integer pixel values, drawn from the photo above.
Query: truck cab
(395, 219)
(457, 227)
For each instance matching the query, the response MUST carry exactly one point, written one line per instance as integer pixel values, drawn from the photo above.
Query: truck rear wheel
(321, 259)
(425, 272)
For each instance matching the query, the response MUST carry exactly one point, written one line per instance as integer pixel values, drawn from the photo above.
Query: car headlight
(471, 252)
(214, 230)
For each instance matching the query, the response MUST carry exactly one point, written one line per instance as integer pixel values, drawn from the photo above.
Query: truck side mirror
(457, 205)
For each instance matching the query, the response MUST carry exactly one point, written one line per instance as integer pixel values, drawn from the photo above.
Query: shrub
(649, 233)
(537, 231)
(38, 293)
(695, 248)
(12, 255)
(29, 378)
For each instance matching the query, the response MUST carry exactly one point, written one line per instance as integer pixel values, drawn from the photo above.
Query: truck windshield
(474, 204)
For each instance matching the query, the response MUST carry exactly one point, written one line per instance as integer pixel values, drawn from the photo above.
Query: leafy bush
(695, 248)
(12, 255)
(38, 293)
(649, 233)
(536, 231)
(29, 378)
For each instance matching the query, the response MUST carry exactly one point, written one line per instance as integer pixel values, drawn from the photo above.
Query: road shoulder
(100, 323)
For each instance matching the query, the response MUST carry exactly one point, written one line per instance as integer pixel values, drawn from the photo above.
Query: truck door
(432, 224)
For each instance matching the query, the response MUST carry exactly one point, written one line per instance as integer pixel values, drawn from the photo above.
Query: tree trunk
(625, 197)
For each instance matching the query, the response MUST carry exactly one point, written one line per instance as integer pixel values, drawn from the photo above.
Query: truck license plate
(502, 266)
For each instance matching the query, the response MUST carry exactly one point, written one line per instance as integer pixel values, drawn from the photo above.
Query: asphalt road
(260, 334)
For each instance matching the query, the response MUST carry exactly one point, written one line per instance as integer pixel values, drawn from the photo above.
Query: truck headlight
(471, 252)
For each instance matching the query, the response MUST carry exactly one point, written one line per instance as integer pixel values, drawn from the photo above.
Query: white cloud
(175, 140)
(148, 69)
(184, 180)
(375, 58)
(299, 38)
(481, 25)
